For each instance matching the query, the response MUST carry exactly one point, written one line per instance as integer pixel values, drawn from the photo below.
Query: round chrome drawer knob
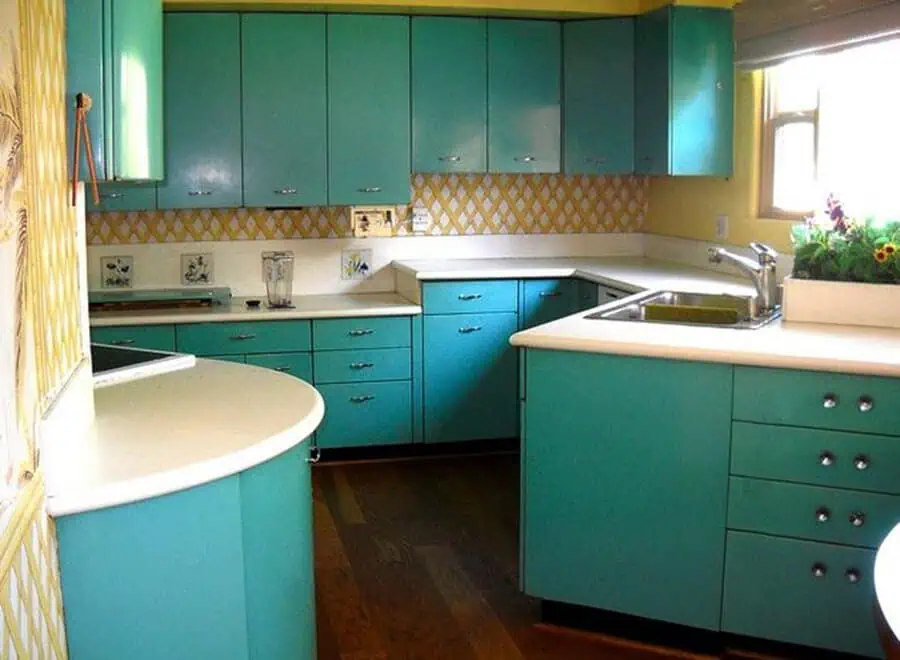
(826, 459)
(865, 404)
(823, 515)
(819, 570)
(830, 401)
(853, 576)
(861, 462)
(857, 519)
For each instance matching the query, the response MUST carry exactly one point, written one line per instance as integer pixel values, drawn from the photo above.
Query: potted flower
(846, 270)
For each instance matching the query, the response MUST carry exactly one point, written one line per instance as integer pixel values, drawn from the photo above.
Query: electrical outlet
(721, 227)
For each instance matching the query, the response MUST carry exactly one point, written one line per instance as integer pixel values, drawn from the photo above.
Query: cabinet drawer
(366, 414)
(240, 359)
(384, 332)
(824, 458)
(820, 400)
(800, 592)
(548, 300)
(470, 297)
(231, 338)
(365, 365)
(156, 337)
(810, 512)
(295, 364)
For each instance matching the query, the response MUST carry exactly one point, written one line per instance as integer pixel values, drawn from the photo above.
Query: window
(832, 125)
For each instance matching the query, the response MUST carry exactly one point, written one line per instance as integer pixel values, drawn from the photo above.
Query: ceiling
(754, 18)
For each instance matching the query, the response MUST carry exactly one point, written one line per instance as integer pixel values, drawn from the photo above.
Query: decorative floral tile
(117, 272)
(356, 264)
(197, 269)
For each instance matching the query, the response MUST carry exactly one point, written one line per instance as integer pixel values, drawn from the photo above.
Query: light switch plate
(372, 221)
(421, 220)
(721, 227)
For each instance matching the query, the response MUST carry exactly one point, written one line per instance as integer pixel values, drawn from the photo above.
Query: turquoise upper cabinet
(685, 92)
(524, 95)
(368, 109)
(203, 112)
(124, 197)
(285, 110)
(449, 94)
(599, 96)
(115, 54)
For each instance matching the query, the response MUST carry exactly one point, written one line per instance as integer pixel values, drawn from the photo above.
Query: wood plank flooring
(418, 559)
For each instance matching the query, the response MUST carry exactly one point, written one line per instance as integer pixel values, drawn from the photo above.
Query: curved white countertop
(173, 431)
(887, 579)
(816, 347)
(305, 307)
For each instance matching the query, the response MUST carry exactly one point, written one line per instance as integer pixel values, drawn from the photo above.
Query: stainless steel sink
(684, 308)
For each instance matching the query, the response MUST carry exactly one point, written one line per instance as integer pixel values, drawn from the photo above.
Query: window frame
(772, 120)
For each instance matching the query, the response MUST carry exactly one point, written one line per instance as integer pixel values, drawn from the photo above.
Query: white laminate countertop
(173, 431)
(305, 307)
(629, 273)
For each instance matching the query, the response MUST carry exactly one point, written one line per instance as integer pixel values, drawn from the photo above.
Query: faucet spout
(748, 266)
(762, 273)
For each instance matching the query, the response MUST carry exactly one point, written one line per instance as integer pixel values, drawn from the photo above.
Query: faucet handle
(767, 256)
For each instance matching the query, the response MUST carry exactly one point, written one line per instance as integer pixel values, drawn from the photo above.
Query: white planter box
(843, 303)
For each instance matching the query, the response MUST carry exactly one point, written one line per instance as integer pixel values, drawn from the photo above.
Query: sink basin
(683, 308)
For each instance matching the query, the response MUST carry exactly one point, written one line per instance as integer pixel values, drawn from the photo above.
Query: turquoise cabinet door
(137, 89)
(702, 109)
(651, 103)
(626, 478)
(124, 197)
(153, 337)
(548, 300)
(470, 377)
(449, 94)
(298, 365)
(366, 414)
(599, 96)
(588, 295)
(524, 95)
(285, 110)
(203, 112)
(368, 110)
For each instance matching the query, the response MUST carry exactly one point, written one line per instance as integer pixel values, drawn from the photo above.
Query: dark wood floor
(418, 559)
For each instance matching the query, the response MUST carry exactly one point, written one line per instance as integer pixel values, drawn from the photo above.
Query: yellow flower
(881, 255)
(890, 248)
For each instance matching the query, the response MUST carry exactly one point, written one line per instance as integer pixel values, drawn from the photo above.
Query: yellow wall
(687, 207)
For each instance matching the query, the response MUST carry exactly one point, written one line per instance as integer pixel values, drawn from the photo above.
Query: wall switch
(721, 227)
(421, 220)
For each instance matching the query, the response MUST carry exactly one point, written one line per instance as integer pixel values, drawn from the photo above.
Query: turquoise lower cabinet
(123, 197)
(295, 364)
(470, 297)
(625, 473)
(243, 337)
(223, 570)
(361, 333)
(154, 337)
(363, 365)
(800, 592)
(470, 374)
(366, 414)
(548, 300)
(588, 295)
(239, 359)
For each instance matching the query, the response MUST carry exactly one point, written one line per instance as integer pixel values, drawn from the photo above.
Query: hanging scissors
(83, 104)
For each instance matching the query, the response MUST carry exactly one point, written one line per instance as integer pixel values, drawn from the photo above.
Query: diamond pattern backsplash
(474, 204)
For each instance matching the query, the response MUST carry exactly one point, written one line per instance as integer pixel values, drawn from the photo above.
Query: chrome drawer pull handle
(122, 342)
(865, 404)
(449, 159)
(315, 455)
(469, 296)
(826, 459)
(853, 576)
(830, 401)
(823, 515)
(362, 399)
(361, 333)
(199, 193)
(857, 519)
(112, 195)
(242, 337)
(361, 365)
(469, 330)
(375, 189)
(283, 369)
(597, 161)
(285, 191)
(819, 570)
(861, 462)
(550, 294)
(525, 159)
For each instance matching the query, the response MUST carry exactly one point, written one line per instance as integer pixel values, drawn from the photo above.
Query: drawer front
(470, 297)
(366, 365)
(548, 300)
(240, 359)
(800, 592)
(820, 400)
(366, 414)
(233, 338)
(811, 512)
(823, 458)
(156, 337)
(339, 334)
(295, 364)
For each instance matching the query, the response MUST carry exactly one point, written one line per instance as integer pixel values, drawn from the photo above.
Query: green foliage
(867, 251)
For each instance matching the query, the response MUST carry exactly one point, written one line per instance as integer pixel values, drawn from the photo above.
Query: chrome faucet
(762, 272)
